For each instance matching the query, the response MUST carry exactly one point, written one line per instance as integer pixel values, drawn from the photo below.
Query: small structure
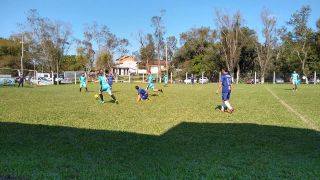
(125, 65)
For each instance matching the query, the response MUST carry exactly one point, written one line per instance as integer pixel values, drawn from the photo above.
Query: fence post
(274, 77)
(202, 78)
(129, 78)
(52, 77)
(171, 77)
(186, 75)
(75, 78)
(255, 77)
(315, 78)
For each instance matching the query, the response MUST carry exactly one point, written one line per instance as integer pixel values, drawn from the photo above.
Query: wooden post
(274, 77)
(171, 77)
(255, 77)
(315, 77)
(75, 78)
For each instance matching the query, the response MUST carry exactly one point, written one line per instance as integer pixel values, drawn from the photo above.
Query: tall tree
(159, 32)
(301, 37)
(229, 28)
(266, 51)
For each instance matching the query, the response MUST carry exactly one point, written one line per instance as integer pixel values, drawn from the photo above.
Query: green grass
(58, 133)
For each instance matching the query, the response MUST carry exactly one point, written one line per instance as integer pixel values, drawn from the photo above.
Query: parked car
(279, 80)
(203, 80)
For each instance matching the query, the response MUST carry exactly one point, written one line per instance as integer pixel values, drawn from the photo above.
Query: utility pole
(21, 54)
(167, 58)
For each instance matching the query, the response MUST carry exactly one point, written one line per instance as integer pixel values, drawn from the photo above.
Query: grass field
(58, 133)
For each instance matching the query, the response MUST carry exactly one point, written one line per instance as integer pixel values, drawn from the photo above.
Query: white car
(204, 80)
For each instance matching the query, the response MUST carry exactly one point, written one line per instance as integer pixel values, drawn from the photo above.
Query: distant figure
(192, 79)
(165, 77)
(295, 80)
(151, 85)
(21, 80)
(225, 83)
(142, 94)
(83, 82)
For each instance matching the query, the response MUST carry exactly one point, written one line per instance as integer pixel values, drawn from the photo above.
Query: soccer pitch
(57, 132)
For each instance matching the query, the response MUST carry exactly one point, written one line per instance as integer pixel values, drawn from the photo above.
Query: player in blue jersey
(83, 82)
(110, 80)
(151, 85)
(142, 94)
(226, 85)
(295, 80)
(104, 86)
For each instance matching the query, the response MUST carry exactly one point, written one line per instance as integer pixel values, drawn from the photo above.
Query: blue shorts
(226, 96)
(150, 86)
(110, 84)
(295, 82)
(144, 97)
(107, 89)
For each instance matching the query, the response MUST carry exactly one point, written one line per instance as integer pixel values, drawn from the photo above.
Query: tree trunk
(238, 73)
(262, 77)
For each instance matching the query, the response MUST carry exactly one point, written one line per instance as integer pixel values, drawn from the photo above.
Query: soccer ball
(96, 96)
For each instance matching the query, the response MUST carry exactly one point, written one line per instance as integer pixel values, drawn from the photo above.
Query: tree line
(231, 44)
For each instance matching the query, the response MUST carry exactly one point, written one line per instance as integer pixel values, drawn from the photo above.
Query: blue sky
(126, 18)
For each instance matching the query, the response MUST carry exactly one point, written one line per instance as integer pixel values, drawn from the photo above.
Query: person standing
(83, 82)
(110, 80)
(295, 80)
(226, 85)
(165, 77)
(21, 81)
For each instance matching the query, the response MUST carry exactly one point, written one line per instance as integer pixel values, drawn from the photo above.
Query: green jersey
(294, 76)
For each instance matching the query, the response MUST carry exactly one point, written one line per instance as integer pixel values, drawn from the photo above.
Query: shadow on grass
(189, 150)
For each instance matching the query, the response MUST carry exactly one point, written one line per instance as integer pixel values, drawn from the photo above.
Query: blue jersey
(82, 79)
(226, 83)
(110, 78)
(143, 94)
(103, 82)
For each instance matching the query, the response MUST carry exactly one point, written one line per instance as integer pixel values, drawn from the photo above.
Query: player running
(295, 80)
(83, 82)
(104, 86)
(142, 94)
(151, 85)
(225, 83)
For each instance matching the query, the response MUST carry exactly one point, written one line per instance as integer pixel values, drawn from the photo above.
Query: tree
(229, 29)
(301, 37)
(159, 31)
(147, 50)
(266, 51)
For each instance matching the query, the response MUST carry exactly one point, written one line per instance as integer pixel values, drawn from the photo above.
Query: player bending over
(142, 94)
(151, 85)
(295, 80)
(83, 82)
(104, 86)
(225, 84)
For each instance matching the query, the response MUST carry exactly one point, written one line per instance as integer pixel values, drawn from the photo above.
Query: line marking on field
(304, 119)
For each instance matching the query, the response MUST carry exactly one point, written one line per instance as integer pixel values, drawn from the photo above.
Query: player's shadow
(154, 95)
(186, 151)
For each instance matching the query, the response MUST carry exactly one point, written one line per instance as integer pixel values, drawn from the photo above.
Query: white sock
(222, 106)
(227, 104)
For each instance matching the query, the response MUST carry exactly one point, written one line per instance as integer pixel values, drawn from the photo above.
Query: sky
(126, 18)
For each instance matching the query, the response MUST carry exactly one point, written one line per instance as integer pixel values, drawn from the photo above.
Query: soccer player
(110, 80)
(225, 84)
(142, 94)
(295, 80)
(165, 77)
(83, 82)
(21, 80)
(151, 85)
(104, 86)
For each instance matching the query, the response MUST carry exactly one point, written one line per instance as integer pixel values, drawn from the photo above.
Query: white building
(125, 65)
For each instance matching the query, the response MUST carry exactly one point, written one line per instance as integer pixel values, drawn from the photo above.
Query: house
(125, 65)
(153, 66)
